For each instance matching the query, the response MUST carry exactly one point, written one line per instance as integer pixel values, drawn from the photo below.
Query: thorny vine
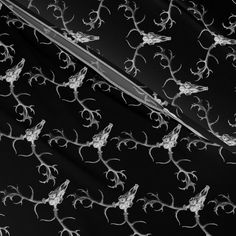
(166, 20)
(65, 58)
(202, 144)
(195, 205)
(149, 38)
(74, 83)
(98, 142)
(4, 229)
(6, 50)
(154, 115)
(227, 139)
(231, 23)
(225, 204)
(31, 5)
(157, 116)
(203, 69)
(32, 135)
(169, 141)
(54, 199)
(95, 16)
(59, 8)
(124, 202)
(105, 87)
(20, 24)
(185, 88)
(11, 76)
(233, 125)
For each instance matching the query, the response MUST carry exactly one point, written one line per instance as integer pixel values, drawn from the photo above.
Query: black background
(138, 165)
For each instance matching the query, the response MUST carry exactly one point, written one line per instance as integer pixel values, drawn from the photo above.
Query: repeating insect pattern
(62, 54)
(203, 113)
(102, 139)
(185, 88)
(99, 141)
(31, 135)
(203, 109)
(55, 199)
(75, 81)
(149, 38)
(169, 141)
(230, 26)
(125, 201)
(12, 75)
(203, 69)
(195, 205)
(59, 8)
